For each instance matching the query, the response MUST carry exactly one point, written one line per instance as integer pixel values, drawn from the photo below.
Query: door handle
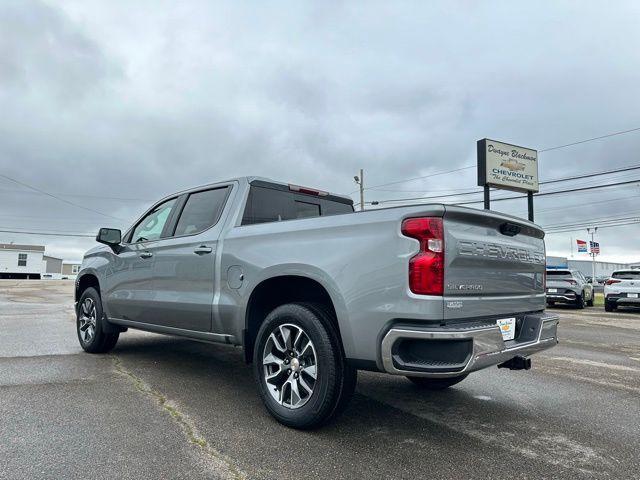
(202, 249)
(146, 255)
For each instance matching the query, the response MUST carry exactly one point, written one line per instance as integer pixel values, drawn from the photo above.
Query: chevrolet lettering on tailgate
(501, 252)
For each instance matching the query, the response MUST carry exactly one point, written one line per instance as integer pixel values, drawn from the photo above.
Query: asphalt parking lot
(161, 407)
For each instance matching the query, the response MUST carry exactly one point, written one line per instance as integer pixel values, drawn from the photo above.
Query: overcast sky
(135, 100)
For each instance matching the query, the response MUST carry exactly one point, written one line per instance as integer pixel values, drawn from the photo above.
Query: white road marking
(483, 397)
(611, 366)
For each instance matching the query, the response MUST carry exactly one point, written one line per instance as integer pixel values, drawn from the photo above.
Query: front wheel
(591, 300)
(436, 383)
(89, 318)
(302, 375)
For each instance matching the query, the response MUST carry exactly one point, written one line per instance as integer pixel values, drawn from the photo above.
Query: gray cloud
(138, 100)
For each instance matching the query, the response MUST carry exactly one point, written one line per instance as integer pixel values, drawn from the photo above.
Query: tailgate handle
(510, 229)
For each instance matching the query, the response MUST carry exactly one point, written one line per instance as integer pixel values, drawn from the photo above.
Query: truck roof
(264, 181)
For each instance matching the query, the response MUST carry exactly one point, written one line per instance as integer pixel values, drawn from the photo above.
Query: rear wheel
(609, 307)
(89, 318)
(580, 301)
(302, 375)
(436, 383)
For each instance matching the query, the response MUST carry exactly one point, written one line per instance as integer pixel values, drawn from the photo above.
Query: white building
(21, 261)
(70, 269)
(603, 269)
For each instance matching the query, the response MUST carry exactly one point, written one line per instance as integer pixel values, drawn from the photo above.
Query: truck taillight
(426, 269)
(611, 281)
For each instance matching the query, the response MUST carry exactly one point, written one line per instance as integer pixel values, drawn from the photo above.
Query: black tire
(609, 307)
(580, 302)
(335, 381)
(590, 301)
(551, 304)
(436, 383)
(99, 341)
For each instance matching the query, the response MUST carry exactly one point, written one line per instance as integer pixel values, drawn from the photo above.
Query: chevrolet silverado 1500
(313, 291)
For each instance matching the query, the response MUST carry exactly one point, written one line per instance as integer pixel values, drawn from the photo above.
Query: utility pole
(360, 181)
(592, 231)
(571, 246)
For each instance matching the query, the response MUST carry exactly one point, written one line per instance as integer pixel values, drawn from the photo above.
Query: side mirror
(109, 236)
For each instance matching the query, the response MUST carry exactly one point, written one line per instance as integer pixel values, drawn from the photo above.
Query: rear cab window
(275, 203)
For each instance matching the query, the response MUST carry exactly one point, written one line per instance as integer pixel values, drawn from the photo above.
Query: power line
(53, 234)
(588, 175)
(546, 182)
(571, 229)
(58, 198)
(601, 220)
(99, 197)
(424, 176)
(567, 207)
(539, 151)
(557, 192)
(591, 139)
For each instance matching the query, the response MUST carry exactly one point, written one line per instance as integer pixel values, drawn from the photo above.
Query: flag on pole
(582, 246)
(595, 248)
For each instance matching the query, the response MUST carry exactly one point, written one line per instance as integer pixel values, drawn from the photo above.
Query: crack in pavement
(222, 463)
(554, 448)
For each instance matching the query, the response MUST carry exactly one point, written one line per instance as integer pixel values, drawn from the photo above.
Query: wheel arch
(86, 280)
(288, 288)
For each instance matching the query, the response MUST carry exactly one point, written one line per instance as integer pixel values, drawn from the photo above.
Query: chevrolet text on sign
(503, 165)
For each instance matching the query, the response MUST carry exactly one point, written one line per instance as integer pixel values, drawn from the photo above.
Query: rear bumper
(619, 300)
(566, 296)
(483, 344)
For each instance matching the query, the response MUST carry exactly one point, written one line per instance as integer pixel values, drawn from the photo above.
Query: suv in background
(569, 286)
(622, 289)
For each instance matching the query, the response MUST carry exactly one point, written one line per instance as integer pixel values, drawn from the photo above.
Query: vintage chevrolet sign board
(502, 165)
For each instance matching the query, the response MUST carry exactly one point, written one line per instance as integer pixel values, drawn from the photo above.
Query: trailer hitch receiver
(517, 363)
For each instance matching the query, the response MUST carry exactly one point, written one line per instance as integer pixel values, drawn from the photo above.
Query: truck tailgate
(494, 265)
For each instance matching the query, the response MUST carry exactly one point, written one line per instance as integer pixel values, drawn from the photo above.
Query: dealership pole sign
(505, 166)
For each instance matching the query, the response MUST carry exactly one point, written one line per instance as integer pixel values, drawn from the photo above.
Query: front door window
(150, 227)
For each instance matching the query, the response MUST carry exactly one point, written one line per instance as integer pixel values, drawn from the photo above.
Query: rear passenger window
(201, 211)
(272, 205)
(267, 205)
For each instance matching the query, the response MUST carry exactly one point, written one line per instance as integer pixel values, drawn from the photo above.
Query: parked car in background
(314, 291)
(569, 286)
(622, 289)
(601, 279)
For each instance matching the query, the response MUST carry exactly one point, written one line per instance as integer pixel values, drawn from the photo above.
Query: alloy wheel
(290, 365)
(87, 320)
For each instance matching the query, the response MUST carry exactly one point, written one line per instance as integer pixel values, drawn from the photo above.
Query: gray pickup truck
(313, 291)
